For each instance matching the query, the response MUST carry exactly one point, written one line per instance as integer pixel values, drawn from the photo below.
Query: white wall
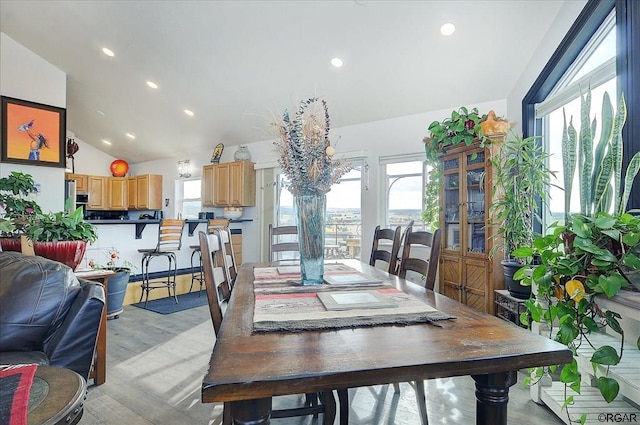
(25, 75)
(89, 160)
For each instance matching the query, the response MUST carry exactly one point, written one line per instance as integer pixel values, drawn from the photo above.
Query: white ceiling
(235, 63)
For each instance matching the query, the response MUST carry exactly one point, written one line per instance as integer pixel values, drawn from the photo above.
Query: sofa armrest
(73, 344)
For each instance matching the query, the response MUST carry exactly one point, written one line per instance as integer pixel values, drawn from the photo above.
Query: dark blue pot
(117, 289)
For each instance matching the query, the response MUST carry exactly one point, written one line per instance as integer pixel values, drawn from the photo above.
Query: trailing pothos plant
(582, 259)
(463, 126)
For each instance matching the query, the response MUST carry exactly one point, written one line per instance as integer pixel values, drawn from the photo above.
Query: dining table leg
(492, 396)
(251, 412)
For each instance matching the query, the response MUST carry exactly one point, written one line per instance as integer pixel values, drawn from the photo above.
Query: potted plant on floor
(117, 285)
(18, 208)
(581, 260)
(522, 179)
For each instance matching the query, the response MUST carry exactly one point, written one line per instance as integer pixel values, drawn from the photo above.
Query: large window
(344, 220)
(595, 69)
(404, 191)
(188, 194)
(599, 50)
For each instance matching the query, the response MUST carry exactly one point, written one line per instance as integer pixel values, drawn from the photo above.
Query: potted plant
(117, 285)
(15, 200)
(581, 260)
(521, 179)
(463, 126)
(61, 236)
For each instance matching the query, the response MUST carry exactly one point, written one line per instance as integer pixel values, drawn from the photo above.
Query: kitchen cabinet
(118, 199)
(98, 192)
(148, 190)
(82, 181)
(132, 192)
(467, 274)
(207, 186)
(232, 184)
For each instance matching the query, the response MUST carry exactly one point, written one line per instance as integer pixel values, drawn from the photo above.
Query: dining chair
(215, 278)
(169, 242)
(390, 257)
(228, 257)
(421, 241)
(283, 239)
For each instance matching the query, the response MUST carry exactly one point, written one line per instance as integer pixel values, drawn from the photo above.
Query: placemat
(283, 305)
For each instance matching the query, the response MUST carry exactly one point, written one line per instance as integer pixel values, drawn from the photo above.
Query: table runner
(283, 305)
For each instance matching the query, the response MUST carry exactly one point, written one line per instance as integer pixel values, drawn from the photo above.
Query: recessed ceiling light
(100, 113)
(152, 84)
(336, 62)
(188, 112)
(130, 136)
(106, 142)
(108, 52)
(447, 29)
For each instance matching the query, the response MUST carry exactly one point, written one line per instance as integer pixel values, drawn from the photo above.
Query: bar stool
(169, 241)
(196, 273)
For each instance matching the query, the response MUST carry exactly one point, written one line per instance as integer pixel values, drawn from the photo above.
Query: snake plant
(600, 171)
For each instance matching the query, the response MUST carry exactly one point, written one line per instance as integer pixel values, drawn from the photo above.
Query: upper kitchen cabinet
(98, 192)
(232, 184)
(82, 181)
(132, 192)
(118, 193)
(148, 192)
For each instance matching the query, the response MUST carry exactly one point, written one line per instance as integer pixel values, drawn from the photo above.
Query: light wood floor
(156, 362)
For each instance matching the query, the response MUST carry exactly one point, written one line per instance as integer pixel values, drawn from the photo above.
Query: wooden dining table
(247, 369)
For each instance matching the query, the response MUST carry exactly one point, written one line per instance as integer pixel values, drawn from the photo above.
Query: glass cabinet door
(475, 227)
(451, 231)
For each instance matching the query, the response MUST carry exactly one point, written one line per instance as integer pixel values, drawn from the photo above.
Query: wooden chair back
(170, 235)
(229, 258)
(427, 267)
(388, 256)
(214, 276)
(217, 222)
(278, 244)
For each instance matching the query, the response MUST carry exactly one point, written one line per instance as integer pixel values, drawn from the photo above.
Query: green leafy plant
(463, 126)
(431, 211)
(15, 199)
(61, 227)
(582, 259)
(522, 178)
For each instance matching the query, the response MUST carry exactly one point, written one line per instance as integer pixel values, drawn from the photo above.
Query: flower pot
(65, 252)
(11, 244)
(513, 286)
(116, 291)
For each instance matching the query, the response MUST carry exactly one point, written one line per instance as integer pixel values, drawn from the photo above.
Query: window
(188, 198)
(404, 191)
(344, 222)
(594, 68)
(601, 39)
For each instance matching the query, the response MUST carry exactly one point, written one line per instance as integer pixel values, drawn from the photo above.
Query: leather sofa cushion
(35, 296)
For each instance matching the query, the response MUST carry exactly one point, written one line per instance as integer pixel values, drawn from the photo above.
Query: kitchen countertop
(141, 223)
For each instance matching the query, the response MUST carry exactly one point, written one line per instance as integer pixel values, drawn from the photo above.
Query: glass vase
(311, 211)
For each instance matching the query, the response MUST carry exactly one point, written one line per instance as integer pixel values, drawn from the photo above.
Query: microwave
(82, 198)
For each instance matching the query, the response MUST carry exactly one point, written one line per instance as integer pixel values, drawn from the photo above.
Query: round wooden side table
(57, 397)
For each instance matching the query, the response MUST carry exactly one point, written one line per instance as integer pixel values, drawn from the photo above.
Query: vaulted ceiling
(235, 63)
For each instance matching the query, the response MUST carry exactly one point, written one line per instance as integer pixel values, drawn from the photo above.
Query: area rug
(168, 305)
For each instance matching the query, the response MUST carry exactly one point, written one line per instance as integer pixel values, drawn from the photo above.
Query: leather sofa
(47, 315)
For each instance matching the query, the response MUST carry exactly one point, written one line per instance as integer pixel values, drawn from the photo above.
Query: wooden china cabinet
(467, 274)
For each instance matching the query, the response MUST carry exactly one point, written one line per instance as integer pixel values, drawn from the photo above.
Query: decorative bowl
(232, 213)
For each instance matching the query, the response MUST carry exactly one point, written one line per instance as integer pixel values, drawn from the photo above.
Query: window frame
(581, 32)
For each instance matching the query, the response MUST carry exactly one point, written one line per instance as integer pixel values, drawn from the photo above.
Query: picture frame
(33, 133)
